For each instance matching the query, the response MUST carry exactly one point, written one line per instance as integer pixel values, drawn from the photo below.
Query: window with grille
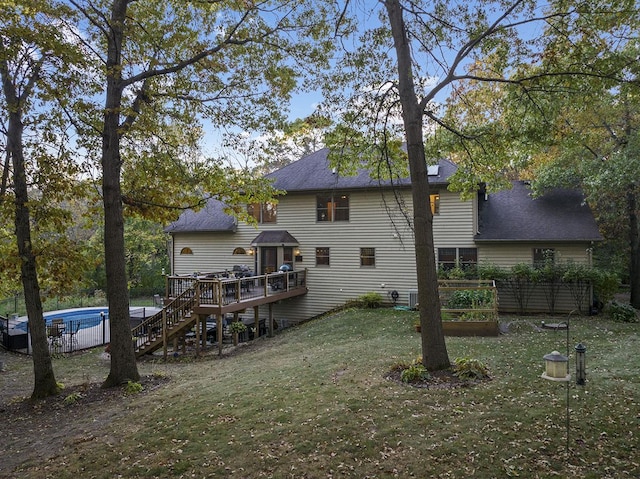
(464, 258)
(367, 257)
(332, 208)
(446, 258)
(322, 256)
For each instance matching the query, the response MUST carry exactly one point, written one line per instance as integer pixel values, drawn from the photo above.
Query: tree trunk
(634, 240)
(44, 379)
(123, 361)
(434, 350)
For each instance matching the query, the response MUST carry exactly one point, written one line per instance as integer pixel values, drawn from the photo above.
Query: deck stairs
(175, 319)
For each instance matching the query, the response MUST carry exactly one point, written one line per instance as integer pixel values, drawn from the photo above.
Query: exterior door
(268, 259)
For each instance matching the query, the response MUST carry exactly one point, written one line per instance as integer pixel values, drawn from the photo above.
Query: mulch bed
(444, 379)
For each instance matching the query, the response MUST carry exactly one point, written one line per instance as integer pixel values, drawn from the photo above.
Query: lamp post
(581, 370)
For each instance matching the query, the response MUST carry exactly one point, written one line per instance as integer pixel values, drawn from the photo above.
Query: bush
(622, 312)
(414, 373)
(468, 368)
(605, 285)
(491, 271)
(133, 387)
(72, 398)
(370, 300)
(237, 327)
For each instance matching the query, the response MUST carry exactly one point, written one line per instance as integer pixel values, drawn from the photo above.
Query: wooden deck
(220, 296)
(190, 300)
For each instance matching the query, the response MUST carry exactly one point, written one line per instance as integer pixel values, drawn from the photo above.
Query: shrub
(524, 272)
(469, 368)
(623, 312)
(237, 327)
(605, 285)
(491, 271)
(414, 373)
(72, 398)
(370, 300)
(133, 387)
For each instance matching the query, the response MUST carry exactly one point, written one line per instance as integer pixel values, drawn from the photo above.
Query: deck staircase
(175, 319)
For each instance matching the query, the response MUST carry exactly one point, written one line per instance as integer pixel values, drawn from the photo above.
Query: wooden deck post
(197, 335)
(219, 328)
(203, 331)
(256, 321)
(164, 333)
(270, 320)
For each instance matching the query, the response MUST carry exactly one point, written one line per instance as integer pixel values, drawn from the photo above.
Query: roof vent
(433, 170)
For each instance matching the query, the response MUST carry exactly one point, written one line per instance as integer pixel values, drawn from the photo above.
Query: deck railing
(224, 291)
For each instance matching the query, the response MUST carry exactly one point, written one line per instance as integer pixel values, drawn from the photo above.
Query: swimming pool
(73, 319)
(78, 318)
(82, 328)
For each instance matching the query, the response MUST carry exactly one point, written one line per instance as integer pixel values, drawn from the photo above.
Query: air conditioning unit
(413, 298)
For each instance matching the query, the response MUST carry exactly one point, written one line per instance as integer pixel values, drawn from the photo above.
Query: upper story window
(263, 213)
(543, 256)
(367, 257)
(186, 250)
(434, 202)
(332, 208)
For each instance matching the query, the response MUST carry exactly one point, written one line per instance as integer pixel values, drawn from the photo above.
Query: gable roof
(314, 173)
(514, 215)
(310, 173)
(210, 218)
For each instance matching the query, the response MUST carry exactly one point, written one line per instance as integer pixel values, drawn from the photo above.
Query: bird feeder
(581, 370)
(556, 367)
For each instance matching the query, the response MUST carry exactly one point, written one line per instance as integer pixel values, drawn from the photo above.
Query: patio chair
(158, 300)
(55, 333)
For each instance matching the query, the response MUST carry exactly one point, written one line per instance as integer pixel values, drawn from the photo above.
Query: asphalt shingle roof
(210, 218)
(275, 237)
(313, 173)
(514, 215)
(509, 215)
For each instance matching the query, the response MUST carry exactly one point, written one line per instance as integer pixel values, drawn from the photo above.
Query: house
(353, 233)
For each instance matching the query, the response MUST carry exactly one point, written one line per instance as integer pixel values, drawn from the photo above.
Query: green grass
(314, 402)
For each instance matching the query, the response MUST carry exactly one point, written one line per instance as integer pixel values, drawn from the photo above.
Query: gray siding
(509, 254)
(375, 221)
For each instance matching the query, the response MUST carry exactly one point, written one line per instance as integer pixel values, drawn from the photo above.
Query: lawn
(313, 402)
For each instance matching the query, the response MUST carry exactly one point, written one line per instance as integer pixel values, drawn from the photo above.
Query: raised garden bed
(470, 328)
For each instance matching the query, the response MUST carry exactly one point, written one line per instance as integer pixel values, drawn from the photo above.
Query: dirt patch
(33, 431)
